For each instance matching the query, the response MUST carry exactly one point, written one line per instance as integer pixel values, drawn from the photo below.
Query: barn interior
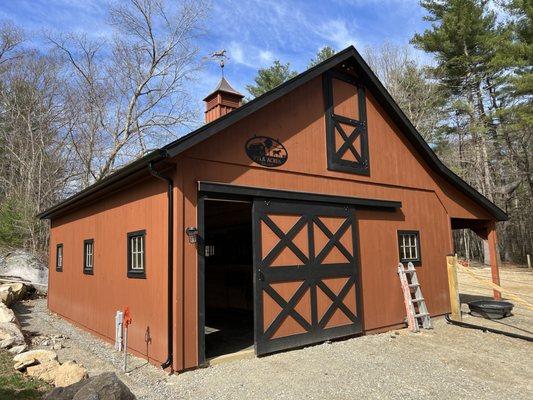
(228, 277)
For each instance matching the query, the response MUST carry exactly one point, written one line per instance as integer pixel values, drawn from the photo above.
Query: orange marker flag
(127, 317)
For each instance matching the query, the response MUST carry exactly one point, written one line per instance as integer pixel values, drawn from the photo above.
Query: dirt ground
(447, 362)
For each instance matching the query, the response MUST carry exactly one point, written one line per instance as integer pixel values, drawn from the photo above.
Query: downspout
(170, 235)
(485, 329)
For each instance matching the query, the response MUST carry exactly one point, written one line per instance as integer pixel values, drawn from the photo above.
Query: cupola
(221, 101)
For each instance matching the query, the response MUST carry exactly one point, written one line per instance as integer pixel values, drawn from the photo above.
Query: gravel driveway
(447, 362)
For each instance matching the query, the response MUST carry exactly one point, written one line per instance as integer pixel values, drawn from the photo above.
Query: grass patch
(14, 385)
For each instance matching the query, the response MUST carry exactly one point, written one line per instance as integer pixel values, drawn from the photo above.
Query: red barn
(277, 224)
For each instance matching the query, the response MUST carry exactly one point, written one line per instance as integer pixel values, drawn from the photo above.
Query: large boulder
(41, 356)
(19, 290)
(6, 314)
(69, 373)
(45, 371)
(18, 349)
(10, 335)
(12, 292)
(106, 386)
(24, 266)
(6, 295)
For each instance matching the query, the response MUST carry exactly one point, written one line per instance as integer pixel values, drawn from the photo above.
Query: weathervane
(221, 57)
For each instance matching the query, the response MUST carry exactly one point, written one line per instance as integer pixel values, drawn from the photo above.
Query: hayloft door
(305, 274)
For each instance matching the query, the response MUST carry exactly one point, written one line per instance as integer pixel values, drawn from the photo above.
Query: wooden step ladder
(415, 306)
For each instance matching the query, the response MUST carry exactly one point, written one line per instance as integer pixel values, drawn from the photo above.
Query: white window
(209, 250)
(88, 256)
(136, 254)
(59, 257)
(409, 246)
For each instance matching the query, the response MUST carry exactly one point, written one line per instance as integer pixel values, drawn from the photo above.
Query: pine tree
(271, 77)
(483, 69)
(323, 54)
(462, 38)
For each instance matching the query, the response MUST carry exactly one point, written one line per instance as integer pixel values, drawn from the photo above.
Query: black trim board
(201, 280)
(418, 261)
(361, 164)
(371, 81)
(366, 76)
(310, 271)
(59, 268)
(111, 181)
(131, 273)
(87, 271)
(247, 191)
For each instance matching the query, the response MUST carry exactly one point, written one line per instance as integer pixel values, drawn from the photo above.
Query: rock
(24, 266)
(6, 295)
(19, 290)
(6, 314)
(22, 365)
(65, 393)
(18, 349)
(45, 342)
(106, 386)
(69, 373)
(10, 334)
(57, 346)
(45, 371)
(6, 343)
(42, 356)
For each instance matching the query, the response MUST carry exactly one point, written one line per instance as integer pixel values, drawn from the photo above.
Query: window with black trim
(346, 126)
(59, 257)
(137, 254)
(88, 256)
(409, 247)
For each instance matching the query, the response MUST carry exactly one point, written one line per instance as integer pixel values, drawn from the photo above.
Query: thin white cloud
(336, 31)
(249, 55)
(266, 56)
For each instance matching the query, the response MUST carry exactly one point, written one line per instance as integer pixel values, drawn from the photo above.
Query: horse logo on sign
(266, 151)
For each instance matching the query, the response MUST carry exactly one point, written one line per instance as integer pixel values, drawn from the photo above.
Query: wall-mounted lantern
(192, 234)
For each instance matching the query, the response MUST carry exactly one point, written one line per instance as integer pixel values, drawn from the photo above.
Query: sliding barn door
(306, 274)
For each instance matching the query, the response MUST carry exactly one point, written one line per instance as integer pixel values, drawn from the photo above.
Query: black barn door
(305, 274)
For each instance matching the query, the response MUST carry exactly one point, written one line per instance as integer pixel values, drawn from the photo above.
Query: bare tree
(408, 84)
(11, 37)
(34, 159)
(130, 95)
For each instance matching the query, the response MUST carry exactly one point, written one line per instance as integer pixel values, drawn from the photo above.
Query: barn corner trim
(372, 82)
(206, 131)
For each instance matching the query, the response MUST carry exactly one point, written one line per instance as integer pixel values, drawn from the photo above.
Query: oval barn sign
(266, 151)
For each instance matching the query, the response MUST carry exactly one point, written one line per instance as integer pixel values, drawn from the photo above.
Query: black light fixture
(192, 233)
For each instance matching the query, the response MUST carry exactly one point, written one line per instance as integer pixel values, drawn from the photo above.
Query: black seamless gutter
(112, 179)
(375, 87)
(377, 90)
(170, 260)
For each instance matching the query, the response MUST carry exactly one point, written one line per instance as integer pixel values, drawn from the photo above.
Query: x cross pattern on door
(313, 290)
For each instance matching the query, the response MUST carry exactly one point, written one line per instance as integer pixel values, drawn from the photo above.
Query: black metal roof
(373, 84)
(224, 86)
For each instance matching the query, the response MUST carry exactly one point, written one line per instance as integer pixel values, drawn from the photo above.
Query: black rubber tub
(491, 309)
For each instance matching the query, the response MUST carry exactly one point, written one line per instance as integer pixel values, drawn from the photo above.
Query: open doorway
(228, 277)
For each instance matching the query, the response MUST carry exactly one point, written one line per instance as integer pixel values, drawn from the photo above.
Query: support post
(494, 257)
(454, 287)
(529, 261)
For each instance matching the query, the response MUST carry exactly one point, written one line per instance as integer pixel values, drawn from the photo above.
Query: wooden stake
(455, 303)
(126, 349)
(528, 261)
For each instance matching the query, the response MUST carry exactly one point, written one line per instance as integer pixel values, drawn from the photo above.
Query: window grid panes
(59, 258)
(89, 255)
(137, 253)
(409, 246)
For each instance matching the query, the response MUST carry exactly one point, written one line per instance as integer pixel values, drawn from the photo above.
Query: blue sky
(254, 32)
